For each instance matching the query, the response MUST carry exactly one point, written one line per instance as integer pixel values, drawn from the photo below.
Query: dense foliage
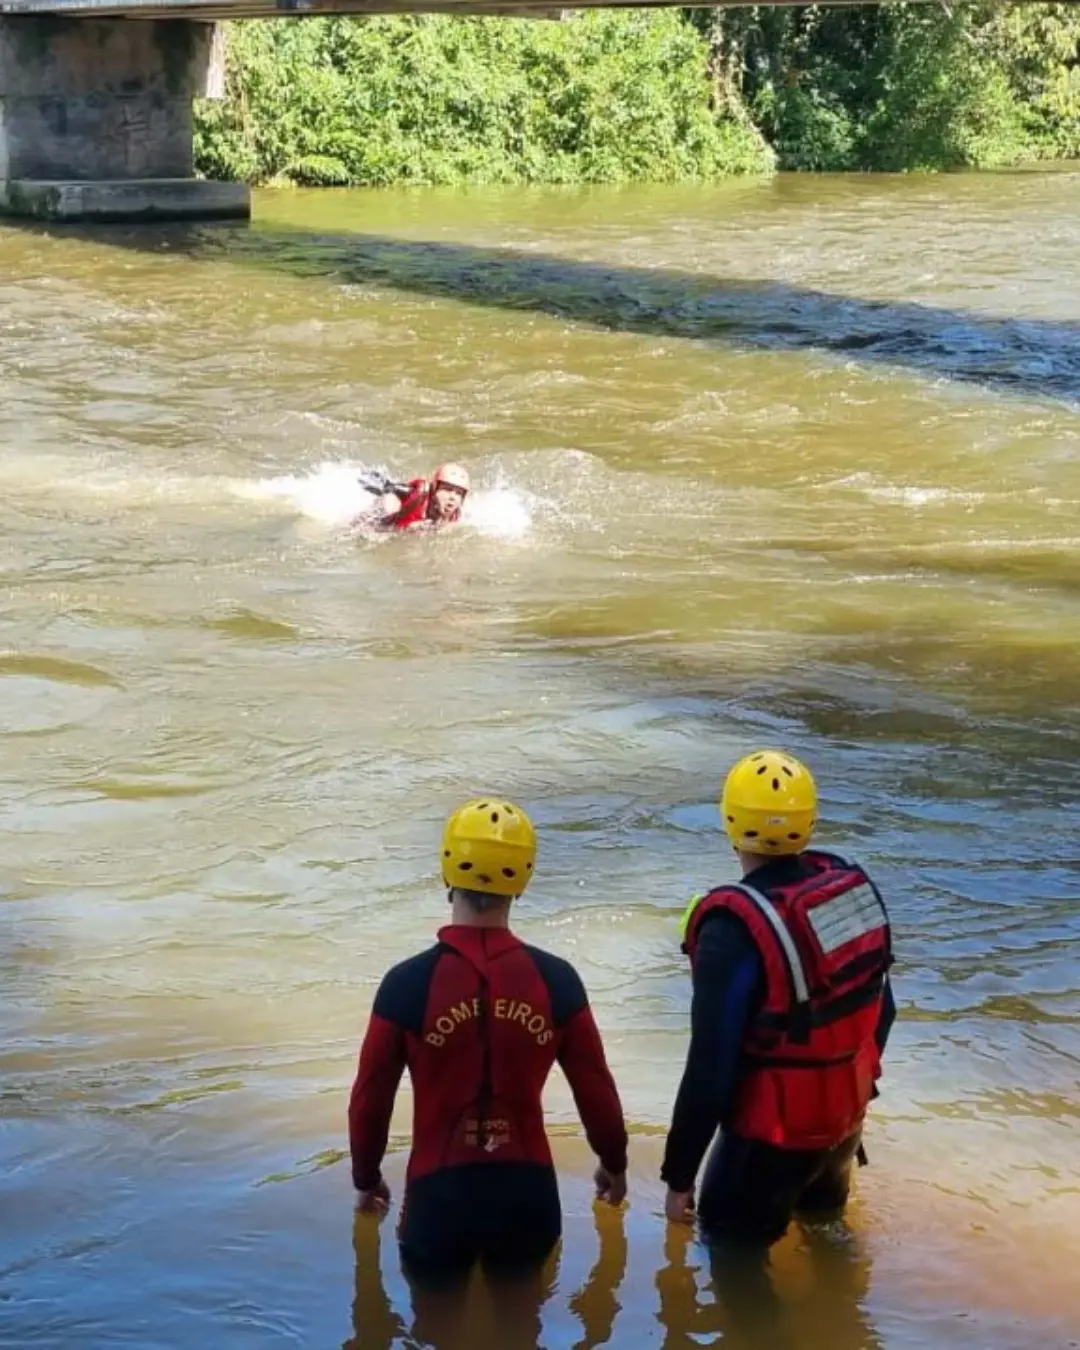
(611, 96)
(904, 86)
(606, 97)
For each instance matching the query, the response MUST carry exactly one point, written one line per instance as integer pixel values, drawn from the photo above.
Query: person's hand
(374, 1201)
(679, 1206)
(610, 1186)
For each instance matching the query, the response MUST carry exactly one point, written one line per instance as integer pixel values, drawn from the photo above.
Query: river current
(792, 462)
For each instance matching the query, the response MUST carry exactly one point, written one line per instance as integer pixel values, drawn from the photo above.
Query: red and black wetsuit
(415, 502)
(479, 1019)
(415, 508)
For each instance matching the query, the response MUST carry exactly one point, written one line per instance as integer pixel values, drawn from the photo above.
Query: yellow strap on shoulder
(688, 913)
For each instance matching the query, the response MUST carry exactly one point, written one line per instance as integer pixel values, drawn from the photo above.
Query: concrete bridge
(96, 97)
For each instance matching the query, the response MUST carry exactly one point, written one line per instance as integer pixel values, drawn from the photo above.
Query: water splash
(333, 495)
(499, 513)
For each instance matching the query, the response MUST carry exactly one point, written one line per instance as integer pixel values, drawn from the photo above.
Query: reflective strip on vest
(787, 942)
(850, 915)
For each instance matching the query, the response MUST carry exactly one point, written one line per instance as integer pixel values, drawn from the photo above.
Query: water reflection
(376, 1324)
(810, 1297)
(596, 1304)
(808, 1293)
(485, 1315)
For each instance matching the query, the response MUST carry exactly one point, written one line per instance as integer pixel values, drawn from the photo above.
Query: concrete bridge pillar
(96, 119)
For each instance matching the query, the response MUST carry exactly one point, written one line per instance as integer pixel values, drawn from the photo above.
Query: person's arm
(401, 496)
(886, 1017)
(727, 978)
(581, 1058)
(386, 501)
(371, 1103)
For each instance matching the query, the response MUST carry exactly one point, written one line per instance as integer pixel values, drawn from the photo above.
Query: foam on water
(332, 495)
(500, 512)
(908, 494)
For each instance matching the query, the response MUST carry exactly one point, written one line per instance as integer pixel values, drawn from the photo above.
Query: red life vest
(414, 509)
(810, 1058)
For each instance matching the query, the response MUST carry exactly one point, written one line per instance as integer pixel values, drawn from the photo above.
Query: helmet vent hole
(508, 809)
(446, 853)
(755, 758)
(528, 867)
(509, 872)
(787, 770)
(793, 836)
(731, 821)
(494, 817)
(776, 784)
(751, 834)
(465, 867)
(482, 807)
(764, 768)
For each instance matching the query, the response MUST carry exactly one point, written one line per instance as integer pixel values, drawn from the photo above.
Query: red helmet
(452, 476)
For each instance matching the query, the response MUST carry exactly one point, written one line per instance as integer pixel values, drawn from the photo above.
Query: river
(792, 462)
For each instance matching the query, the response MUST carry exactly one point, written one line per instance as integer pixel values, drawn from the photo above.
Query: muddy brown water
(793, 462)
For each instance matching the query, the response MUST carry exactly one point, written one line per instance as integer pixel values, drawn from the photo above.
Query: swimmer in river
(427, 503)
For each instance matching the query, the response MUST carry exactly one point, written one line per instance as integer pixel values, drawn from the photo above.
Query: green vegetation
(615, 96)
(904, 86)
(607, 97)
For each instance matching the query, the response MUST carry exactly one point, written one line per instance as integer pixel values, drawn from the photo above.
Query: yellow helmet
(769, 804)
(489, 845)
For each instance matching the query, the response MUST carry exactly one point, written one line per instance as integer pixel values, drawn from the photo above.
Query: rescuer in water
(791, 1010)
(422, 502)
(479, 1019)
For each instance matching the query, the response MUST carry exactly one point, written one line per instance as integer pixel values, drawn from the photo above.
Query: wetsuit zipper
(484, 1097)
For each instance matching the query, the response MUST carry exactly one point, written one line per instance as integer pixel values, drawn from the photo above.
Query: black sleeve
(728, 979)
(886, 1019)
(564, 986)
(403, 994)
(374, 480)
